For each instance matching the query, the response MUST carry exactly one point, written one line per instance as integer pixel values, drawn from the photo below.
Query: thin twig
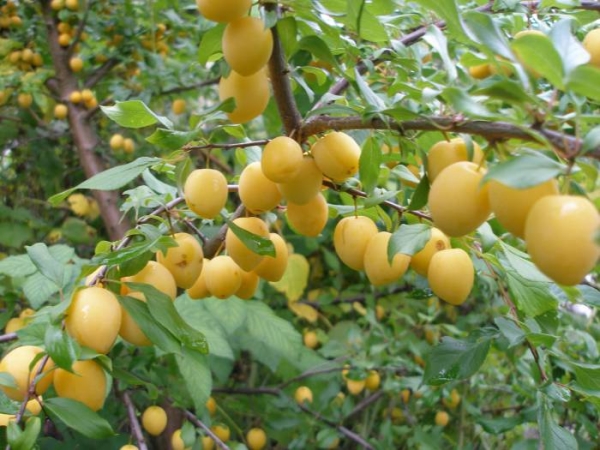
(31, 389)
(201, 84)
(192, 418)
(235, 145)
(249, 391)
(134, 422)
(364, 404)
(8, 337)
(95, 77)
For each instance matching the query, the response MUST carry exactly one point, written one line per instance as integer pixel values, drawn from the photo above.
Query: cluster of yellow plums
(559, 230)
(247, 46)
(8, 15)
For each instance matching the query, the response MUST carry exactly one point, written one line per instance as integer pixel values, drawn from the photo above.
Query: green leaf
(25, 439)
(230, 313)
(38, 289)
(572, 53)
(172, 139)
(588, 375)
(487, 33)
(111, 179)
(538, 55)
(438, 41)
(499, 425)
(591, 140)
(196, 374)
(510, 330)
(449, 12)
(157, 334)
(531, 297)
(554, 437)
(134, 114)
(421, 195)
(6, 379)
(255, 243)
(507, 90)
(583, 80)
(454, 359)
(17, 266)
(78, 416)
(525, 170)
(162, 309)
(369, 27)
(409, 239)
(462, 102)
(274, 338)
(521, 263)
(61, 347)
(46, 264)
(210, 44)
(316, 46)
(589, 295)
(371, 98)
(369, 162)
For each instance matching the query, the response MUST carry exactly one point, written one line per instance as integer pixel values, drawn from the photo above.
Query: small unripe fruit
(560, 233)
(24, 100)
(76, 64)
(256, 191)
(337, 155)
(223, 276)
(309, 219)
(61, 111)
(457, 202)
(219, 11)
(281, 159)
(511, 206)
(221, 431)
(242, 255)
(480, 71)
(350, 239)
(442, 418)
(377, 267)
(302, 188)
(87, 384)
(251, 95)
(87, 95)
(199, 289)
(272, 268)
(128, 145)
(310, 339)
(75, 97)
(207, 443)
(16, 363)
(373, 380)
(247, 45)
(591, 43)
(184, 261)
(303, 395)
(451, 275)
(211, 406)
(445, 153)
(355, 387)
(256, 439)
(79, 204)
(178, 106)
(154, 420)
(436, 243)
(94, 318)
(177, 442)
(205, 192)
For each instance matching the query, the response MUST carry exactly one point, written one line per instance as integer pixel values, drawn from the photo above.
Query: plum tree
(414, 206)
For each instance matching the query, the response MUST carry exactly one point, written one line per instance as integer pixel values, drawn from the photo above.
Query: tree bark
(85, 137)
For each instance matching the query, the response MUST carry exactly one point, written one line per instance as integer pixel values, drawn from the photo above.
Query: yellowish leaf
(305, 311)
(295, 278)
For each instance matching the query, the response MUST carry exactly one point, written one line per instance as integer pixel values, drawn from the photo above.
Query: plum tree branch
(8, 337)
(133, 420)
(567, 146)
(201, 84)
(282, 88)
(95, 77)
(193, 419)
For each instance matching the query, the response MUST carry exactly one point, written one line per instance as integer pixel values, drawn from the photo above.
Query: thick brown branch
(282, 88)
(84, 135)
